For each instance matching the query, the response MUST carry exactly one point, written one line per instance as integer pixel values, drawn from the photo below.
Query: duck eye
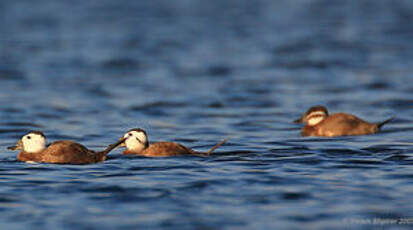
(130, 134)
(29, 137)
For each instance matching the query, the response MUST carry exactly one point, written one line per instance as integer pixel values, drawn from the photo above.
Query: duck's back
(342, 124)
(69, 152)
(162, 149)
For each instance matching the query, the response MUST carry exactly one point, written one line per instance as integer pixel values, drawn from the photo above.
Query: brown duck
(136, 143)
(34, 149)
(320, 123)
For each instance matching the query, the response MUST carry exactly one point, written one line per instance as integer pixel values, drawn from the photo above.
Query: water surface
(195, 72)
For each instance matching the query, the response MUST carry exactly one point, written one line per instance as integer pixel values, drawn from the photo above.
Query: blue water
(195, 72)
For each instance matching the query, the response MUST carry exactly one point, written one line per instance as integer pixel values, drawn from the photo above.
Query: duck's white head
(135, 140)
(313, 116)
(32, 142)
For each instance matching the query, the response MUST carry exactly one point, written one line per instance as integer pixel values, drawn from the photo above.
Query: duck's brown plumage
(66, 152)
(342, 124)
(164, 149)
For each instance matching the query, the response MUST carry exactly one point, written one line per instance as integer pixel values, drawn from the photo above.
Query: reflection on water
(195, 72)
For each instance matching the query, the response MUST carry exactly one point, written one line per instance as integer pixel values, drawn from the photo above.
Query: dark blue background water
(195, 72)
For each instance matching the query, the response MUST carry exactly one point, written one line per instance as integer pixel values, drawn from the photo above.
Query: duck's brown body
(163, 149)
(166, 149)
(64, 152)
(33, 149)
(136, 143)
(341, 124)
(318, 122)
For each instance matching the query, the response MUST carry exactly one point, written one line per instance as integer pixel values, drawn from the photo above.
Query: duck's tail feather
(380, 124)
(216, 146)
(112, 146)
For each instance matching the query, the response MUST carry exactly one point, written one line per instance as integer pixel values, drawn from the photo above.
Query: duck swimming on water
(136, 143)
(319, 123)
(33, 149)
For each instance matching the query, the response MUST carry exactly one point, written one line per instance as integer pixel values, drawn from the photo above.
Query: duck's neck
(26, 156)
